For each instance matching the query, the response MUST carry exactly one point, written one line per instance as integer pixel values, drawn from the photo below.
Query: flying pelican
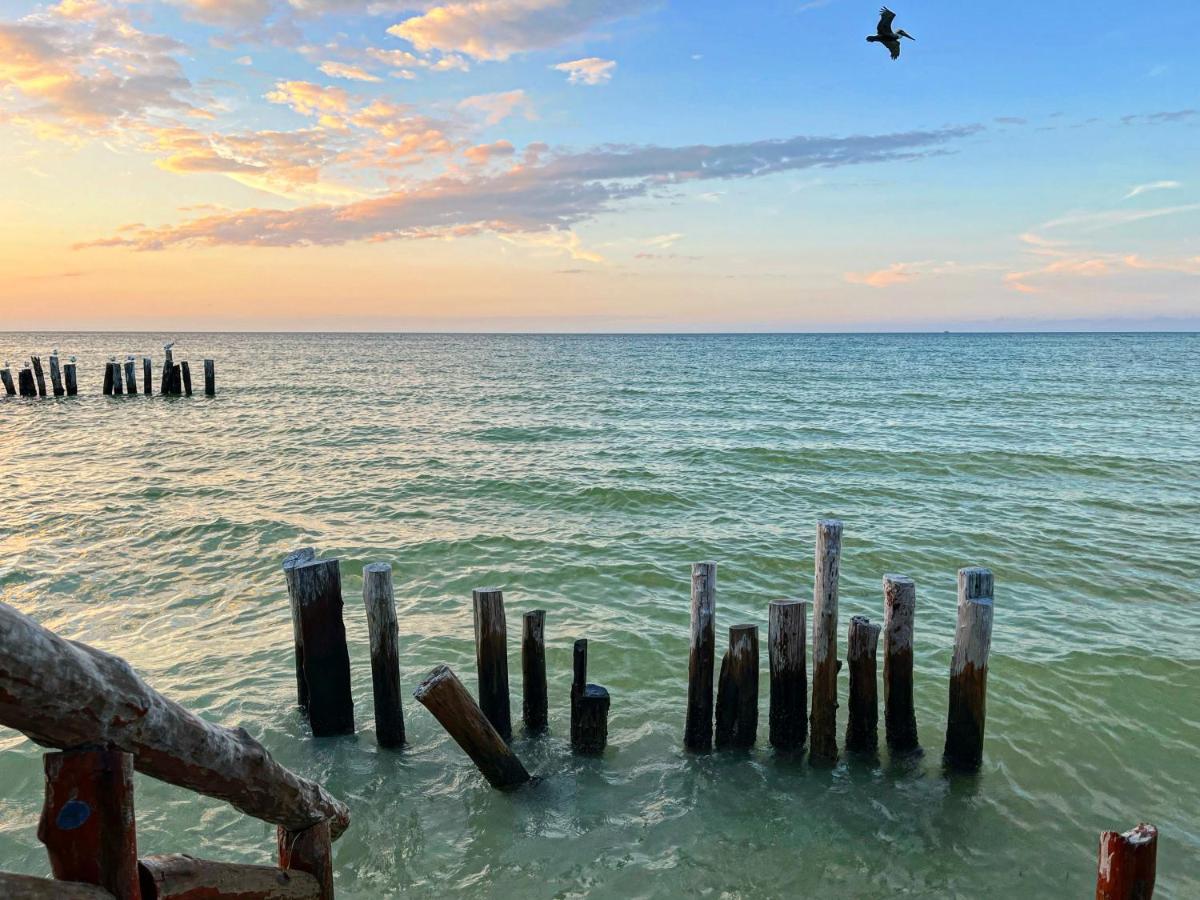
(885, 35)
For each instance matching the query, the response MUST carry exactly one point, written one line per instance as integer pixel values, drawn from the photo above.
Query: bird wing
(894, 46)
(886, 17)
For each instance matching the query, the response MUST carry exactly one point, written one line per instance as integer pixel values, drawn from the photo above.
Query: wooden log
(787, 637)
(6, 376)
(579, 662)
(66, 694)
(39, 375)
(186, 372)
(862, 723)
(177, 876)
(118, 381)
(899, 713)
(536, 704)
(27, 887)
(737, 690)
(130, 380)
(698, 725)
(444, 695)
(293, 559)
(56, 381)
(164, 386)
(309, 851)
(491, 658)
(87, 821)
(147, 377)
(1126, 869)
(823, 721)
(968, 670)
(69, 371)
(380, 602)
(25, 380)
(210, 378)
(318, 592)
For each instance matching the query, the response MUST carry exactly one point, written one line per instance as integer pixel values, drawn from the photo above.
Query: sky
(598, 165)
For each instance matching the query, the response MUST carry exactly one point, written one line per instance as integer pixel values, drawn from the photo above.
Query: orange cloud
(482, 154)
(896, 273)
(495, 108)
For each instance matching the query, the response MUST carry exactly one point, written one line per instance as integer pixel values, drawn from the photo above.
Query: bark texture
(318, 594)
(535, 706)
(177, 876)
(27, 887)
(380, 601)
(968, 671)
(827, 561)
(491, 658)
(698, 726)
(737, 693)
(899, 612)
(862, 723)
(1127, 864)
(787, 635)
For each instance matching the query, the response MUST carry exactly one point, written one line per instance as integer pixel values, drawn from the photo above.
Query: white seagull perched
(884, 34)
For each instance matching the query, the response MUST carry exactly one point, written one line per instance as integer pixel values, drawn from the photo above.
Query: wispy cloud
(592, 70)
(1160, 118)
(896, 273)
(348, 72)
(1095, 221)
(1140, 189)
(495, 108)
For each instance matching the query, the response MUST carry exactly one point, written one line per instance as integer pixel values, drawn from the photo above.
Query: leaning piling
(318, 592)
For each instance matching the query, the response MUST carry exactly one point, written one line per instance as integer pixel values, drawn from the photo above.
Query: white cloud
(591, 70)
(1140, 189)
(498, 107)
(347, 72)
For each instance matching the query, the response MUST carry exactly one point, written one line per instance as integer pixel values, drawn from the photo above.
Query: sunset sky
(529, 165)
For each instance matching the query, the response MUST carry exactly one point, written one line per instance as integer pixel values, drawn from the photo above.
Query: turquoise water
(584, 475)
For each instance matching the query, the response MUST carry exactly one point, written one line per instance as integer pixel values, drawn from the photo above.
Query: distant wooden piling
(176, 380)
(186, 372)
(787, 635)
(164, 386)
(293, 559)
(210, 378)
(309, 851)
(69, 371)
(87, 821)
(535, 705)
(698, 726)
(177, 876)
(899, 613)
(737, 690)
(147, 377)
(452, 705)
(589, 707)
(130, 379)
(56, 382)
(318, 592)
(39, 375)
(1127, 864)
(6, 377)
(968, 670)
(491, 658)
(380, 602)
(26, 383)
(108, 379)
(827, 561)
(862, 722)
(118, 381)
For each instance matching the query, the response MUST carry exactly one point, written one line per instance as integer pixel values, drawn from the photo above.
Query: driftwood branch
(182, 877)
(27, 887)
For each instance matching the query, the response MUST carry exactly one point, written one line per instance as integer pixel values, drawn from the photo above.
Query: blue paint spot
(73, 814)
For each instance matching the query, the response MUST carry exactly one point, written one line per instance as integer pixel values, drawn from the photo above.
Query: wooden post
(823, 723)
(186, 372)
(56, 375)
(578, 683)
(87, 821)
(533, 671)
(28, 887)
(787, 634)
(318, 592)
(147, 377)
(177, 876)
(130, 380)
(293, 559)
(968, 670)
(737, 691)
(72, 379)
(176, 380)
(210, 378)
(899, 612)
(6, 376)
(108, 378)
(309, 851)
(39, 375)
(25, 380)
(491, 658)
(589, 707)
(1127, 864)
(444, 695)
(164, 387)
(862, 725)
(698, 726)
(118, 382)
(380, 602)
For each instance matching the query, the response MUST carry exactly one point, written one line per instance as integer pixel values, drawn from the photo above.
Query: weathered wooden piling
(452, 705)
(186, 372)
(737, 690)
(118, 381)
(176, 380)
(293, 559)
(69, 371)
(535, 706)
(36, 361)
(318, 592)
(862, 723)
(309, 851)
(210, 378)
(698, 726)
(589, 707)
(25, 380)
(29, 887)
(380, 601)
(968, 670)
(130, 380)
(491, 658)
(1126, 869)
(787, 635)
(108, 379)
(177, 876)
(823, 722)
(56, 382)
(899, 713)
(164, 386)
(6, 377)
(87, 821)
(147, 377)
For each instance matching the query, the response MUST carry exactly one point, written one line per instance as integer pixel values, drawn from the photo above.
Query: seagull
(168, 346)
(885, 35)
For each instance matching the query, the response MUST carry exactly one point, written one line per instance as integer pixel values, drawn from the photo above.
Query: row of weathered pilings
(31, 378)
(120, 379)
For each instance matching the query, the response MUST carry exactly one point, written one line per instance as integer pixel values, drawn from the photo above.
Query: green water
(584, 475)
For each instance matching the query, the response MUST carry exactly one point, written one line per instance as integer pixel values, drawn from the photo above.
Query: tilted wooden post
(698, 726)
(309, 851)
(535, 707)
(968, 670)
(452, 705)
(1127, 865)
(39, 375)
(862, 724)
(177, 876)
(787, 636)
(69, 371)
(147, 377)
(491, 658)
(380, 602)
(87, 820)
(318, 587)
(186, 372)
(293, 559)
(56, 375)
(589, 707)
(823, 722)
(737, 691)
(210, 378)
(130, 381)
(899, 612)
(6, 377)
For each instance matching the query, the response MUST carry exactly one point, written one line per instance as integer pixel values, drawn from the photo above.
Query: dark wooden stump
(380, 601)
(309, 851)
(1126, 870)
(210, 378)
(186, 372)
(56, 382)
(899, 612)
(177, 876)
(25, 381)
(39, 375)
(318, 587)
(164, 385)
(6, 377)
(72, 379)
(130, 380)
(27, 887)
(108, 378)
(737, 691)
(491, 658)
(589, 707)
(147, 377)
(176, 380)
(862, 723)
(87, 821)
(579, 663)
(698, 726)
(823, 722)
(293, 559)
(787, 635)
(452, 705)
(535, 707)
(968, 670)
(118, 381)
